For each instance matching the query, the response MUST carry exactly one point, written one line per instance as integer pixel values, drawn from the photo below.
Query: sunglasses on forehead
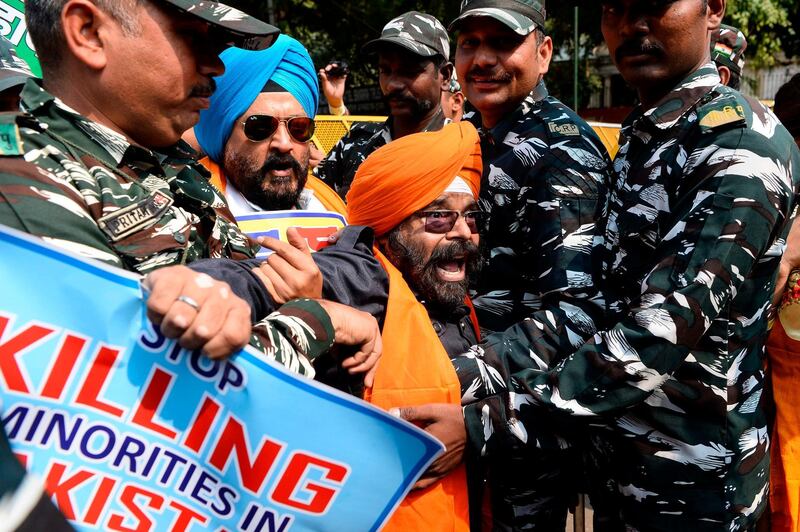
(261, 127)
(443, 221)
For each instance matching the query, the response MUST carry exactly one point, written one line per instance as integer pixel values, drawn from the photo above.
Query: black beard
(421, 274)
(253, 183)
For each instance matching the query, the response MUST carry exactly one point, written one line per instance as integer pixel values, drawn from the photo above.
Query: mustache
(401, 96)
(498, 76)
(282, 161)
(637, 47)
(463, 249)
(203, 90)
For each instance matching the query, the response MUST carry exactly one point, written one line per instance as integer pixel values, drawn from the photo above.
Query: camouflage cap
(727, 48)
(522, 16)
(13, 70)
(232, 26)
(420, 33)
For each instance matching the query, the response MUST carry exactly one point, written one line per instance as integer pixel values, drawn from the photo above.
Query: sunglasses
(443, 221)
(261, 127)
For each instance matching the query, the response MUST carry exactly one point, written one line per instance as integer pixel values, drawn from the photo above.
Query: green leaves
(769, 28)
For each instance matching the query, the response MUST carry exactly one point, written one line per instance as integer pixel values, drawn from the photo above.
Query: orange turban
(407, 174)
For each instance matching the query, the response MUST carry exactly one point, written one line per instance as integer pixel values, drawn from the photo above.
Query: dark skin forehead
(643, 7)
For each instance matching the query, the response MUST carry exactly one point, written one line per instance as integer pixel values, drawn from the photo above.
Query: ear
(724, 74)
(84, 32)
(458, 99)
(715, 12)
(544, 54)
(447, 74)
(382, 243)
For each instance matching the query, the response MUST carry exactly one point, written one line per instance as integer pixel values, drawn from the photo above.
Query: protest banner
(315, 227)
(131, 432)
(14, 28)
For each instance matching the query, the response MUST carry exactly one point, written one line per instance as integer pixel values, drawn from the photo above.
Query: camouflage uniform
(697, 220)
(418, 33)
(544, 168)
(84, 188)
(340, 166)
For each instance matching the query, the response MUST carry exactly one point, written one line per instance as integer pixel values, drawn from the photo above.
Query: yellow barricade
(331, 128)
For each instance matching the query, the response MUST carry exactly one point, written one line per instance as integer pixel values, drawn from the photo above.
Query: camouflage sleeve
(330, 169)
(44, 204)
(295, 335)
(733, 222)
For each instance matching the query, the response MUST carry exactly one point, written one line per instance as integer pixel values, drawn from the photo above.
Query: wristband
(338, 111)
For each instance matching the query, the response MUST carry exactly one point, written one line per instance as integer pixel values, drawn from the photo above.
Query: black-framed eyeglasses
(261, 127)
(443, 221)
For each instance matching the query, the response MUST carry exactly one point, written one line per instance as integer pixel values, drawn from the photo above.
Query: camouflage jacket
(697, 220)
(544, 170)
(83, 187)
(339, 168)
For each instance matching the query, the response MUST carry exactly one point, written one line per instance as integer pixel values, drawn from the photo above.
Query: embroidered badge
(728, 115)
(128, 220)
(10, 141)
(570, 130)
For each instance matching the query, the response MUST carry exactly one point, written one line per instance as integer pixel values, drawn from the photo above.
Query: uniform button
(438, 328)
(179, 238)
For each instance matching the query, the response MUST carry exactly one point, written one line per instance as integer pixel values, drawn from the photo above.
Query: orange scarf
(416, 370)
(325, 194)
(784, 364)
(393, 183)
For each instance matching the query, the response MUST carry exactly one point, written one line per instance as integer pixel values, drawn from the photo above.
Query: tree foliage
(769, 26)
(337, 29)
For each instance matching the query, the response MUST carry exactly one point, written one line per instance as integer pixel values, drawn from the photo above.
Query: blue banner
(130, 432)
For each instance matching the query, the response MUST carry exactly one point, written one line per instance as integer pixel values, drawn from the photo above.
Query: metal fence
(763, 84)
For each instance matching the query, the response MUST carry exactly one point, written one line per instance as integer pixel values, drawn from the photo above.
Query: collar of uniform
(503, 127)
(682, 99)
(64, 122)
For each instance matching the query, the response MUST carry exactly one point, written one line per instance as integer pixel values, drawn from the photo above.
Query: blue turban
(286, 63)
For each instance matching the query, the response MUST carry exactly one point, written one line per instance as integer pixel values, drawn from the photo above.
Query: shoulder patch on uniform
(10, 139)
(568, 130)
(722, 111)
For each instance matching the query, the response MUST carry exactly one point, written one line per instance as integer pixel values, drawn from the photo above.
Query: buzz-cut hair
(43, 18)
(540, 35)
